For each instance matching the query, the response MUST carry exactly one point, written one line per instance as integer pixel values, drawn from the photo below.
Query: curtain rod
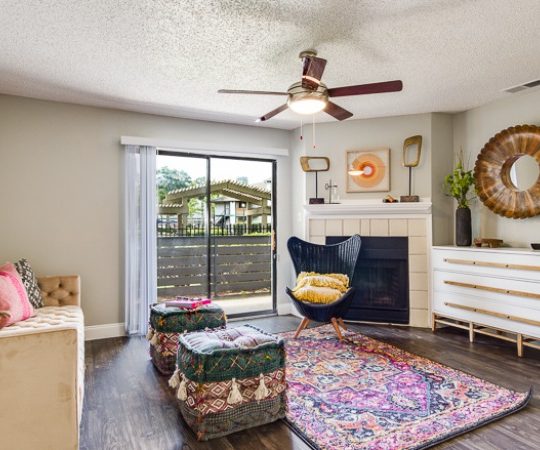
(202, 147)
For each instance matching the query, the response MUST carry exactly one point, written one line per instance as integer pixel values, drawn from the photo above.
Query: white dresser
(495, 292)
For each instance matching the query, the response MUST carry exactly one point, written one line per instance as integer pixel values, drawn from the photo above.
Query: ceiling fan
(310, 95)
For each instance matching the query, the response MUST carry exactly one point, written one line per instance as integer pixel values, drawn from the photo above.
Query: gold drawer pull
(491, 264)
(494, 314)
(494, 289)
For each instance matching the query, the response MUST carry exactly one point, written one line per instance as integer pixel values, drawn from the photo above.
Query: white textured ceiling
(170, 57)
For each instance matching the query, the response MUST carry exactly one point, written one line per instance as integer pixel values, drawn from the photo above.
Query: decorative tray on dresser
(494, 292)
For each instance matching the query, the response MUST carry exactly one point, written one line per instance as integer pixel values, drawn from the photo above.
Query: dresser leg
(433, 322)
(471, 332)
(520, 345)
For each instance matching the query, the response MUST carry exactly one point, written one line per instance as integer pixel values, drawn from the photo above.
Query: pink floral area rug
(365, 394)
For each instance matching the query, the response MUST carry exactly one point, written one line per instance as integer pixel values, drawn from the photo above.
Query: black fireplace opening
(381, 279)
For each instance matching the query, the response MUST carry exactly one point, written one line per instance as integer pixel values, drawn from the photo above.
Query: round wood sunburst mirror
(507, 172)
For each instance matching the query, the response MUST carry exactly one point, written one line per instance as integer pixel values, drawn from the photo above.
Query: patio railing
(165, 229)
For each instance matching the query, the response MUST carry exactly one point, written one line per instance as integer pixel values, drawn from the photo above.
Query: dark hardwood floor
(128, 404)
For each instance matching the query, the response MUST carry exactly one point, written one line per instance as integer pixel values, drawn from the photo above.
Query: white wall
(61, 178)
(472, 129)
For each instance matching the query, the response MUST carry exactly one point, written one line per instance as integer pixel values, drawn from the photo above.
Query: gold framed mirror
(507, 172)
(412, 150)
(315, 163)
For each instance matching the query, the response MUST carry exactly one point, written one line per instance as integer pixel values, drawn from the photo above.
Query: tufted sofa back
(60, 290)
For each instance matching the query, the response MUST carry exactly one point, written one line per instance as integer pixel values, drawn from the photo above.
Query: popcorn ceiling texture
(170, 57)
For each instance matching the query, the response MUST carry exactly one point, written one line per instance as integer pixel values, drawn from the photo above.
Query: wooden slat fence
(241, 266)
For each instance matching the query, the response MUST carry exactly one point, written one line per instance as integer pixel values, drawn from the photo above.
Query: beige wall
(333, 139)
(61, 178)
(472, 129)
(441, 165)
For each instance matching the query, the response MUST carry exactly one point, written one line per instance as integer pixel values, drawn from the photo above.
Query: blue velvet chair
(337, 258)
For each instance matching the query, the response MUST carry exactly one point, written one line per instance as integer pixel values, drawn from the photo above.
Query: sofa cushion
(42, 379)
(14, 302)
(30, 282)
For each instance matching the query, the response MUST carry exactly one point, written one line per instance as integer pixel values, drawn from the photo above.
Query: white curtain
(140, 255)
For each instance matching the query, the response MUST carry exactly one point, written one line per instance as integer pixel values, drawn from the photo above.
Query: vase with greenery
(457, 185)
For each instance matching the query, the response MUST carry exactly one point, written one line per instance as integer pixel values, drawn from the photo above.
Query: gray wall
(61, 178)
(333, 139)
(472, 129)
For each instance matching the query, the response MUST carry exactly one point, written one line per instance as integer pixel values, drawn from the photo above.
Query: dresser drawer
(510, 315)
(502, 290)
(493, 262)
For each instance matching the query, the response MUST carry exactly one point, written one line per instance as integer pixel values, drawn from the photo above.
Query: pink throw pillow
(14, 303)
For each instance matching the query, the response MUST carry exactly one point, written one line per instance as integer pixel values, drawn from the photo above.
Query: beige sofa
(42, 372)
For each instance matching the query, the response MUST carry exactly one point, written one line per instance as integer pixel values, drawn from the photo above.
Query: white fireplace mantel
(373, 218)
(370, 208)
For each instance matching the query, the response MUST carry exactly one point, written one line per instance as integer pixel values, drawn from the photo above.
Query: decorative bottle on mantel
(457, 185)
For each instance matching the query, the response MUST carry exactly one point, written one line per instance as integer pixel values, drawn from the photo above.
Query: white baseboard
(107, 330)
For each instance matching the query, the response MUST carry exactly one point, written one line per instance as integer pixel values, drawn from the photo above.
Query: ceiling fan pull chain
(301, 129)
(313, 119)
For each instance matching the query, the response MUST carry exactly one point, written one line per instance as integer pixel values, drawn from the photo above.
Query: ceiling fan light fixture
(307, 105)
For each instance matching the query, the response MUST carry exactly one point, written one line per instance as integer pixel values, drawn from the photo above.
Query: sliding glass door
(215, 229)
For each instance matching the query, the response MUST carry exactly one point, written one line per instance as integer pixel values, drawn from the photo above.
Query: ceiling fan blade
(241, 91)
(312, 73)
(272, 113)
(361, 89)
(337, 111)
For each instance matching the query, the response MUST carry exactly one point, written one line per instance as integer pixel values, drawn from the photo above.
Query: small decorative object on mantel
(412, 150)
(315, 164)
(487, 242)
(332, 192)
(457, 185)
(535, 245)
(368, 170)
(390, 199)
(507, 172)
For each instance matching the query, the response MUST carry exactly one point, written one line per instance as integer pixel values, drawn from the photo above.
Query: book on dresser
(488, 291)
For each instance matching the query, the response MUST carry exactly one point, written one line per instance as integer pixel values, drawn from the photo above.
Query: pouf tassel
(150, 334)
(234, 396)
(182, 390)
(262, 391)
(174, 381)
(154, 341)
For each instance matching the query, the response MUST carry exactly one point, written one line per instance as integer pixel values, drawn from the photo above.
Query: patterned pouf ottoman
(229, 380)
(168, 322)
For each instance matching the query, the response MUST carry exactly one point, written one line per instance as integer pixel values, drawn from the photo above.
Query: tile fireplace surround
(370, 218)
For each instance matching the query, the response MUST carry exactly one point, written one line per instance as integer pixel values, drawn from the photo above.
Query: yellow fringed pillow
(321, 281)
(341, 277)
(314, 287)
(317, 294)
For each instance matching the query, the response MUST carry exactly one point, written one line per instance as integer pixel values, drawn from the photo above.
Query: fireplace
(381, 280)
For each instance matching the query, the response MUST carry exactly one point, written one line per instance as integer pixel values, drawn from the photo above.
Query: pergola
(257, 199)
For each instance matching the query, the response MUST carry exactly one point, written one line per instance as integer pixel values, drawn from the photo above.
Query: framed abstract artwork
(368, 170)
